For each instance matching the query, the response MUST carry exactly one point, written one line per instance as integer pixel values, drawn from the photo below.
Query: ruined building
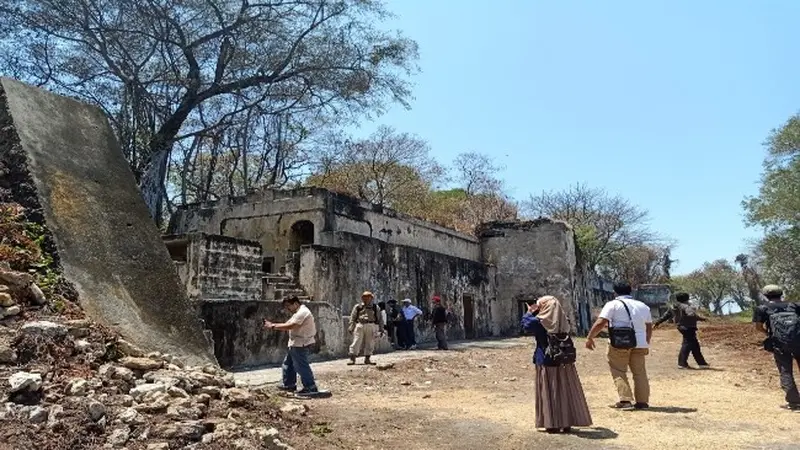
(239, 257)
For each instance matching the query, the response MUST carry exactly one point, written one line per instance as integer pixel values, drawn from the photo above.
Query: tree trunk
(152, 184)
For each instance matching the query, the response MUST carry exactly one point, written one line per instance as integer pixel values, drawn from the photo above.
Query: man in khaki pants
(625, 311)
(365, 323)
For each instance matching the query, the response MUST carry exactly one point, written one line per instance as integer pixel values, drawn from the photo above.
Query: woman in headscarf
(560, 402)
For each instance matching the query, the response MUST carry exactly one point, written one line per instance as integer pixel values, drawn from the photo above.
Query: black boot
(352, 361)
(368, 362)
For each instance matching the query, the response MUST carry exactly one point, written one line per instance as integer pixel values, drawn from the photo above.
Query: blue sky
(666, 103)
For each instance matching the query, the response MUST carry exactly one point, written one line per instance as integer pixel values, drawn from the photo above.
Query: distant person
(365, 324)
(630, 328)
(686, 318)
(410, 313)
(778, 319)
(394, 320)
(560, 401)
(440, 323)
(302, 329)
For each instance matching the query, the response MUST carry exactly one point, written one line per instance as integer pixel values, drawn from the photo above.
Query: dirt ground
(482, 398)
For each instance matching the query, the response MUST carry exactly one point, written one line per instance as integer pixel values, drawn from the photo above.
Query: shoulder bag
(623, 337)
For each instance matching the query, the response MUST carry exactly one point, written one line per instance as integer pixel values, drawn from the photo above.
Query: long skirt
(560, 402)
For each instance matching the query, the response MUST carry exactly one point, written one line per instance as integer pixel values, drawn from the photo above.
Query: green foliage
(776, 208)
(22, 247)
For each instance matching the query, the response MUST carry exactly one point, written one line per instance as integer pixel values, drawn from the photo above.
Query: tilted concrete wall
(534, 259)
(340, 275)
(219, 267)
(241, 341)
(59, 159)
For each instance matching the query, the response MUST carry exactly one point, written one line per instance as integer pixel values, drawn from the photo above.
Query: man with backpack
(686, 318)
(365, 323)
(780, 321)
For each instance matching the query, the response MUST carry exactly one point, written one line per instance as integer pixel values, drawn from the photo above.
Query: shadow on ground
(597, 433)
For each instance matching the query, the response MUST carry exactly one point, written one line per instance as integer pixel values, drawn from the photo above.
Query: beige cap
(367, 294)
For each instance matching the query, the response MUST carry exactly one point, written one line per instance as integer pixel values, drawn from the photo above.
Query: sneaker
(622, 405)
(287, 388)
(683, 367)
(368, 361)
(308, 391)
(641, 406)
(703, 367)
(794, 407)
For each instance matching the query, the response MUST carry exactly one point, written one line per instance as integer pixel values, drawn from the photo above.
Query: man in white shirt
(302, 329)
(410, 312)
(625, 311)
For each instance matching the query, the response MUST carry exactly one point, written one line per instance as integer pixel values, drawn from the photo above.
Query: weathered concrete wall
(241, 341)
(218, 267)
(269, 217)
(59, 158)
(533, 259)
(340, 275)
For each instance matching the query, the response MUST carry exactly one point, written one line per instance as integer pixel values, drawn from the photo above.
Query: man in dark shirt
(784, 358)
(440, 323)
(686, 318)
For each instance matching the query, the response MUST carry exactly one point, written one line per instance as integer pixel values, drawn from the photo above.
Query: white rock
(293, 408)
(212, 391)
(119, 437)
(37, 296)
(204, 399)
(140, 391)
(265, 435)
(56, 413)
(128, 349)
(158, 446)
(24, 381)
(189, 429)
(140, 363)
(236, 396)
(207, 438)
(106, 371)
(11, 311)
(83, 345)
(126, 401)
(96, 411)
(130, 416)
(177, 392)
(77, 387)
(44, 328)
(38, 415)
(6, 300)
(124, 374)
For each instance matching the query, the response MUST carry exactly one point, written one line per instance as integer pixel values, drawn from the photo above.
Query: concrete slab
(60, 159)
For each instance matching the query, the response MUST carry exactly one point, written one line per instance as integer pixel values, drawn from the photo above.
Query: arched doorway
(301, 233)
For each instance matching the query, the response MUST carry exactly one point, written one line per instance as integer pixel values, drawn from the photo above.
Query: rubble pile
(69, 383)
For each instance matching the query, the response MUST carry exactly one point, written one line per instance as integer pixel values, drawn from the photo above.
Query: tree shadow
(669, 409)
(594, 434)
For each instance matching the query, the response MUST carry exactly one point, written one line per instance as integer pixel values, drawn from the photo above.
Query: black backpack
(560, 349)
(784, 327)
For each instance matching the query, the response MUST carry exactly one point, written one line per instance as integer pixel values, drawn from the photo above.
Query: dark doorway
(469, 317)
(302, 233)
(268, 264)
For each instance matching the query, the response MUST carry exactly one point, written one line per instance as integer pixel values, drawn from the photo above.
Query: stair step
(277, 279)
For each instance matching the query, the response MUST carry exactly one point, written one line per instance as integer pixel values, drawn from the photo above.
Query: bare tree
(605, 225)
(476, 173)
(388, 168)
(750, 276)
(170, 70)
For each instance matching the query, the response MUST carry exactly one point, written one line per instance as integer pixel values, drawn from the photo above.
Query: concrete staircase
(276, 286)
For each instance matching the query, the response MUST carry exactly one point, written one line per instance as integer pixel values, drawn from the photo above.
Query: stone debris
(24, 381)
(385, 366)
(109, 386)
